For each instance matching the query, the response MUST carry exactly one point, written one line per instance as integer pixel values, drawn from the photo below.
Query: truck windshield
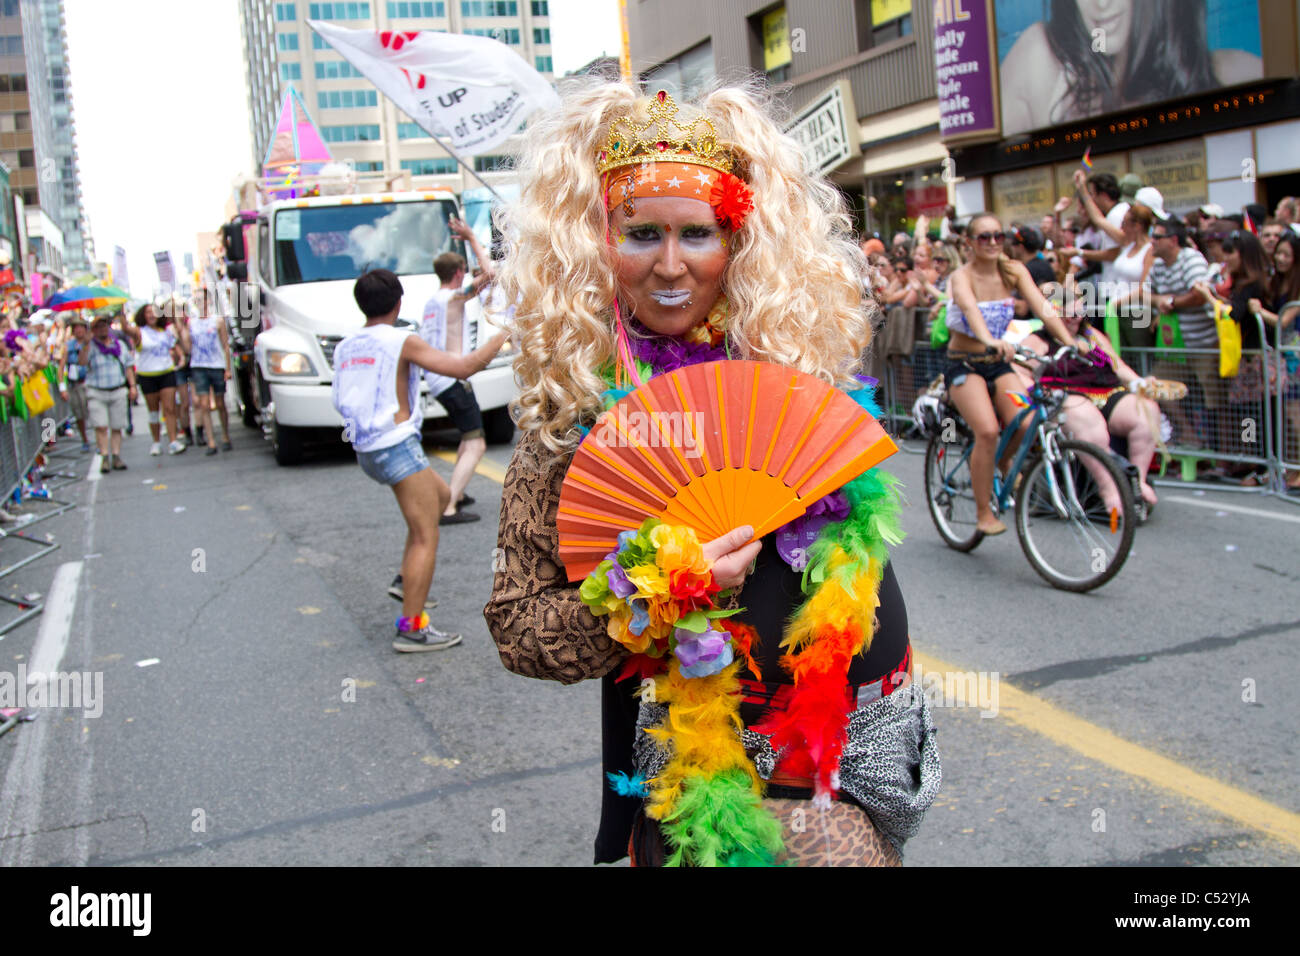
(322, 243)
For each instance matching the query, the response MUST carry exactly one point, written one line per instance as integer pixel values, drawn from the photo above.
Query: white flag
(119, 269)
(472, 91)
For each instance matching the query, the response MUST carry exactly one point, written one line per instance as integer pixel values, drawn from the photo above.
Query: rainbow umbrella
(85, 297)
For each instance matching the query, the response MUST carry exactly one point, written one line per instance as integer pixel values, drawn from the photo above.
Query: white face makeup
(671, 258)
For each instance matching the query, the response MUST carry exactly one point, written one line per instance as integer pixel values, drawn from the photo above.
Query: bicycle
(1068, 534)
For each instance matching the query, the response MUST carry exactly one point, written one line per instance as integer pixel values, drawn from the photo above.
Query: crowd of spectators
(1163, 276)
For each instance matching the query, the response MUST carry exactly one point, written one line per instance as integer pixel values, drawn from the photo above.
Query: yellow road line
(1101, 745)
(488, 469)
(1093, 742)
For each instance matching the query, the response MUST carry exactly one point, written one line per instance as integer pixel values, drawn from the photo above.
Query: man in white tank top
(376, 391)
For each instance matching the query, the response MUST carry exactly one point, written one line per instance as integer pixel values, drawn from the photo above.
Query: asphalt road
(1151, 722)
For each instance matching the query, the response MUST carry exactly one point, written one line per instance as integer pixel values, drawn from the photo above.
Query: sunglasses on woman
(987, 237)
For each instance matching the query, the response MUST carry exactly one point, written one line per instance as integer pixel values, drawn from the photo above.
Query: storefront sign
(827, 130)
(1023, 196)
(964, 69)
(882, 11)
(776, 40)
(1177, 170)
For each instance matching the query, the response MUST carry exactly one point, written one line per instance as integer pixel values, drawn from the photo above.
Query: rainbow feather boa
(658, 592)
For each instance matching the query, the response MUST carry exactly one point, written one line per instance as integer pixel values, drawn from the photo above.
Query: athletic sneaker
(427, 639)
(176, 447)
(155, 449)
(395, 590)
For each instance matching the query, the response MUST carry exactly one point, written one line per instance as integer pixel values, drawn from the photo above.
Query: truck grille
(327, 345)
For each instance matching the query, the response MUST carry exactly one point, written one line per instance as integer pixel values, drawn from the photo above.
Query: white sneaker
(176, 447)
(155, 449)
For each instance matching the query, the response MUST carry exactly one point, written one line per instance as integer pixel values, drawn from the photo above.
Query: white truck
(305, 256)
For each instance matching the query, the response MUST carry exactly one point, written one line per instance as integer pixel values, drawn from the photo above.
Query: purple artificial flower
(618, 582)
(692, 648)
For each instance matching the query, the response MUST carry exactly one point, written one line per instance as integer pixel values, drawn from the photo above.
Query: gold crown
(630, 143)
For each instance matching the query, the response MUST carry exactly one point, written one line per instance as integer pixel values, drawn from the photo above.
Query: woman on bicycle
(1102, 400)
(979, 378)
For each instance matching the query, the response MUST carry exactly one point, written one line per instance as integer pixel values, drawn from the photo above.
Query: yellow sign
(776, 40)
(1116, 164)
(1177, 170)
(1024, 196)
(882, 11)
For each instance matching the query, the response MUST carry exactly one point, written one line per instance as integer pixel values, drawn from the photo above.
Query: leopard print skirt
(841, 835)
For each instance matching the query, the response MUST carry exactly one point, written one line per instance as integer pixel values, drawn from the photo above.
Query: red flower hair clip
(731, 200)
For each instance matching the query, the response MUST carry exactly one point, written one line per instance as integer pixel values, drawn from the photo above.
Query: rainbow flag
(1022, 401)
(1250, 224)
(1087, 158)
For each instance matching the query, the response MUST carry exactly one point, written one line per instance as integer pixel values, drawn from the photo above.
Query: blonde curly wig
(795, 277)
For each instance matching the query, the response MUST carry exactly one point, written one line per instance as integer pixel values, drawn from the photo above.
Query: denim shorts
(390, 465)
(208, 379)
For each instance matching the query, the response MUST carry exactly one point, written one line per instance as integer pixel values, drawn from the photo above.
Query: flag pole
(465, 166)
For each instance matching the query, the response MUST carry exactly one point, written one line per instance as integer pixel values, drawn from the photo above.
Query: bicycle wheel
(950, 494)
(1068, 534)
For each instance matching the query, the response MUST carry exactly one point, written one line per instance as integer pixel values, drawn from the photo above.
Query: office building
(37, 135)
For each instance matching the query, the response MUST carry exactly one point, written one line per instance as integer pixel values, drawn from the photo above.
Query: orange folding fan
(712, 446)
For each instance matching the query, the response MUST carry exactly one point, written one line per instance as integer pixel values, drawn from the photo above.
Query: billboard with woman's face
(1067, 60)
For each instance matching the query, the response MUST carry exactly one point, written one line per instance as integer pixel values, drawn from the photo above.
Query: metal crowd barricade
(1262, 429)
(21, 440)
(1217, 422)
(903, 362)
(1286, 409)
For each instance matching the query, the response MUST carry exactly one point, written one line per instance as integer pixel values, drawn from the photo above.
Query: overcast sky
(161, 112)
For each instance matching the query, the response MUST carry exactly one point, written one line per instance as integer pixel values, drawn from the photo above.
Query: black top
(771, 594)
(1241, 314)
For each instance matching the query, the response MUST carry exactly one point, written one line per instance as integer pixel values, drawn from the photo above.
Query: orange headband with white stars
(729, 196)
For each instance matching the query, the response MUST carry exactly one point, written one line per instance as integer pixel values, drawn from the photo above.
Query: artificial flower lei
(657, 589)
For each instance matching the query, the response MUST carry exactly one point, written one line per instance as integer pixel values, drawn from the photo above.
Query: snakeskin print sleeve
(540, 625)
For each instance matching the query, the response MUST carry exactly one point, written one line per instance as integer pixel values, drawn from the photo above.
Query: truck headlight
(289, 363)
